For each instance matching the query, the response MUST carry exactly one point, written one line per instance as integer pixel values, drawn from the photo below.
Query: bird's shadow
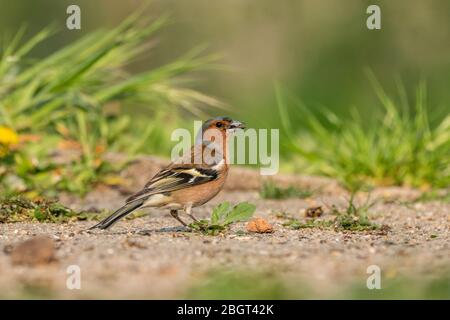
(146, 232)
(142, 232)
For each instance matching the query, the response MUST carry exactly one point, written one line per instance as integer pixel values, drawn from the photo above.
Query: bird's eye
(219, 124)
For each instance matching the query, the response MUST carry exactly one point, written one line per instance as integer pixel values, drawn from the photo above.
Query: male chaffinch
(189, 181)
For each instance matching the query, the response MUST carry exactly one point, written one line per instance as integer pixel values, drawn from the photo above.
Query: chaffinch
(189, 181)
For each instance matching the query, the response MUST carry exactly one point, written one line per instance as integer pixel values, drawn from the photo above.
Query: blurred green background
(370, 106)
(318, 49)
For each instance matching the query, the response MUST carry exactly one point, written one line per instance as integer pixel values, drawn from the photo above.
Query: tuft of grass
(223, 216)
(352, 218)
(400, 147)
(269, 190)
(72, 107)
(20, 209)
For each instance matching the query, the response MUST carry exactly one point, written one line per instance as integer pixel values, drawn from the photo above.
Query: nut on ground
(259, 225)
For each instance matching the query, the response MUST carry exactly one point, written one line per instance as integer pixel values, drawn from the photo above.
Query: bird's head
(224, 125)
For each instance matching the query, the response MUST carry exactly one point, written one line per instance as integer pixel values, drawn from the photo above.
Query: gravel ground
(151, 257)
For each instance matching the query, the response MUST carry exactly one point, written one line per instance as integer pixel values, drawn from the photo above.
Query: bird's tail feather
(119, 214)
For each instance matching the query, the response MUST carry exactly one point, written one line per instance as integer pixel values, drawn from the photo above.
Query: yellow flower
(8, 136)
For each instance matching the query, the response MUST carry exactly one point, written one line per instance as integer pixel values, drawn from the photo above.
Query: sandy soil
(150, 257)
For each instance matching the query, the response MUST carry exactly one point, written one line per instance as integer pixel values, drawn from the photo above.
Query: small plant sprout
(223, 216)
(354, 218)
(351, 218)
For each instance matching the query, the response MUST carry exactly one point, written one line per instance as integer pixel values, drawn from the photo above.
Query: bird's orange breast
(198, 195)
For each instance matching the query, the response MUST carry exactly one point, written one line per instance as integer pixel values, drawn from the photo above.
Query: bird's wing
(183, 173)
(175, 178)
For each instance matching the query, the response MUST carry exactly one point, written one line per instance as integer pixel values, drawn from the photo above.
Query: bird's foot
(192, 217)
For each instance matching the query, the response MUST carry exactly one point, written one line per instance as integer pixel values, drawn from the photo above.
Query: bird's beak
(237, 125)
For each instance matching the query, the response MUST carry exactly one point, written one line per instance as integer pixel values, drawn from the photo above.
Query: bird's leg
(188, 210)
(174, 213)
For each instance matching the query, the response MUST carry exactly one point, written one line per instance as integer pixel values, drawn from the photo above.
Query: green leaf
(219, 212)
(38, 214)
(241, 212)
